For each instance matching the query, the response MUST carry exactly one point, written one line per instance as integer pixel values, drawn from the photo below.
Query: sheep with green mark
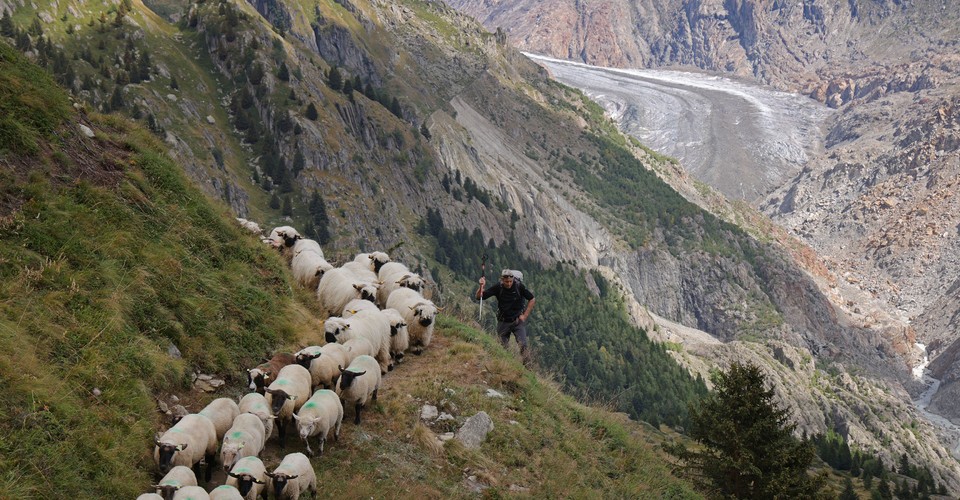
(318, 416)
(245, 438)
(192, 440)
(222, 412)
(293, 477)
(249, 476)
(359, 383)
(191, 493)
(399, 336)
(225, 492)
(287, 394)
(369, 324)
(256, 404)
(177, 478)
(322, 361)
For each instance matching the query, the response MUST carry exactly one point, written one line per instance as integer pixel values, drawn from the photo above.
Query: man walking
(514, 304)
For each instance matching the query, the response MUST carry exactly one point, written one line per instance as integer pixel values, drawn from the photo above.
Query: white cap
(511, 272)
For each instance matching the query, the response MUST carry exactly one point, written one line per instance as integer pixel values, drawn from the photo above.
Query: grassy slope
(107, 255)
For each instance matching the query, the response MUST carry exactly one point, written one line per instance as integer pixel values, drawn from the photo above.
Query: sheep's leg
(336, 434)
(356, 418)
(375, 391)
(282, 429)
(210, 459)
(309, 450)
(196, 469)
(323, 440)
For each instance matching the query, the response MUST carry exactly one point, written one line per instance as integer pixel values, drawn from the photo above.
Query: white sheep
(318, 416)
(177, 478)
(192, 439)
(339, 286)
(361, 272)
(375, 260)
(308, 268)
(191, 493)
(245, 438)
(419, 313)
(222, 412)
(371, 325)
(287, 394)
(322, 361)
(356, 305)
(359, 383)
(249, 476)
(293, 477)
(249, 225)
(357, 347)
(394, 275)
(225, 492)
(306, 245)
(399, 336)
(262, 374)
(150, 496)
(256, 404)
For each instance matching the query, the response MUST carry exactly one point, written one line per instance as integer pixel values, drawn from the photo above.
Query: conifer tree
(318, 217)
(283, 73)
(335, 79)
(748, 447)
(287, 206)
(395, 108)
(173, 83)
(883, 489)
(274, 201)
(6, 24)
(312, 113)
(848, 492)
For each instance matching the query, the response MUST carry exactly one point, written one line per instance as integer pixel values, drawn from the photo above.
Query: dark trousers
(518, 329)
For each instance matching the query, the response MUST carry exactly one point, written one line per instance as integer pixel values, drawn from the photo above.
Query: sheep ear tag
(293, 398)
(181, 447)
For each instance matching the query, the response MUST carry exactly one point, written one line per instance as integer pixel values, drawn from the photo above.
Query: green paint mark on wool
(310, 404)
(236, 435)
(282, 381)
(240, 470)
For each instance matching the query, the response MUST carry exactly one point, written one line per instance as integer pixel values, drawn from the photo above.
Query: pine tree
(116, 100)
(283, 73)
(748, 446)
(274, 201)
(287, 206)
(173, 83)
(848, 492)
(904, 465)
(335, 79)
(425, 132)
(883, 489)
(312, 113)
(318, 216)
(395, 108)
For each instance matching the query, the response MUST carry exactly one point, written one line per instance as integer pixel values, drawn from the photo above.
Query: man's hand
(483, 281)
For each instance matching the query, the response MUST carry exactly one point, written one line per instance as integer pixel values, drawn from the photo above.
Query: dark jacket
(510, 301)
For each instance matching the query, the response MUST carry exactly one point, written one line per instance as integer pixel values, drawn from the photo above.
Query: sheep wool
(318, 416)
(222, 412)
(225, 492)
(419, 313)
(339, 286)
(177, 478)
(371, 325)
(287, 394)
(256, 404)
(322, 361)
(191, 493)
(399, 336)
(293, 477)
(245, 438)
(249, 477)
(359, 383)
(193, 439)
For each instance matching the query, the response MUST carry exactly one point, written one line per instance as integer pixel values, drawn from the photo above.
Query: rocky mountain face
(255, 118)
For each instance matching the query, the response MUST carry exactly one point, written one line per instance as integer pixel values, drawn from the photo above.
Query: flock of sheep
(376, 313)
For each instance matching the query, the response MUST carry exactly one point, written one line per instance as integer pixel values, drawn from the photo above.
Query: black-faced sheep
(318, 416)
(150, 496)
(222, 412)
(193, 439)
(287, 394)
(293, 477)
(259, 377)
(394, 275)
(249, 476)
(369, 324)
(177, 478)
(225, 492)
(285, 236)
(322, 361)
(361, 272)
(375, 260)
(308, 269)
(256, 404)
(339, 286)
(359, 383)
(419, 313)
(357, 347)
(245, 438)
(399, 336)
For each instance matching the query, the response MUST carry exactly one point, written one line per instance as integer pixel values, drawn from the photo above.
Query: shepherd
(514, 304)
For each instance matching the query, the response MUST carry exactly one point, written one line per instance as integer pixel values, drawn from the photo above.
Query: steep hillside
(121, 280)
(416, 131)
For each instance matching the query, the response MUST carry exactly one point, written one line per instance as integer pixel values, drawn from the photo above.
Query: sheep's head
(333, 328)
(230, 450)
(367, 291)
(304, 358)
(166, 451)
(424, 312)
(167, 490)
(257, 379)
(347, 377)
(278, 397)
(411, 281)
(306, 426)
(378, 259)
(396, 327)
(245, 482)
(280, 481)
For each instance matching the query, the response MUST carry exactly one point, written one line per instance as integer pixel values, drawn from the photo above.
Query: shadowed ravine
(741, 139)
